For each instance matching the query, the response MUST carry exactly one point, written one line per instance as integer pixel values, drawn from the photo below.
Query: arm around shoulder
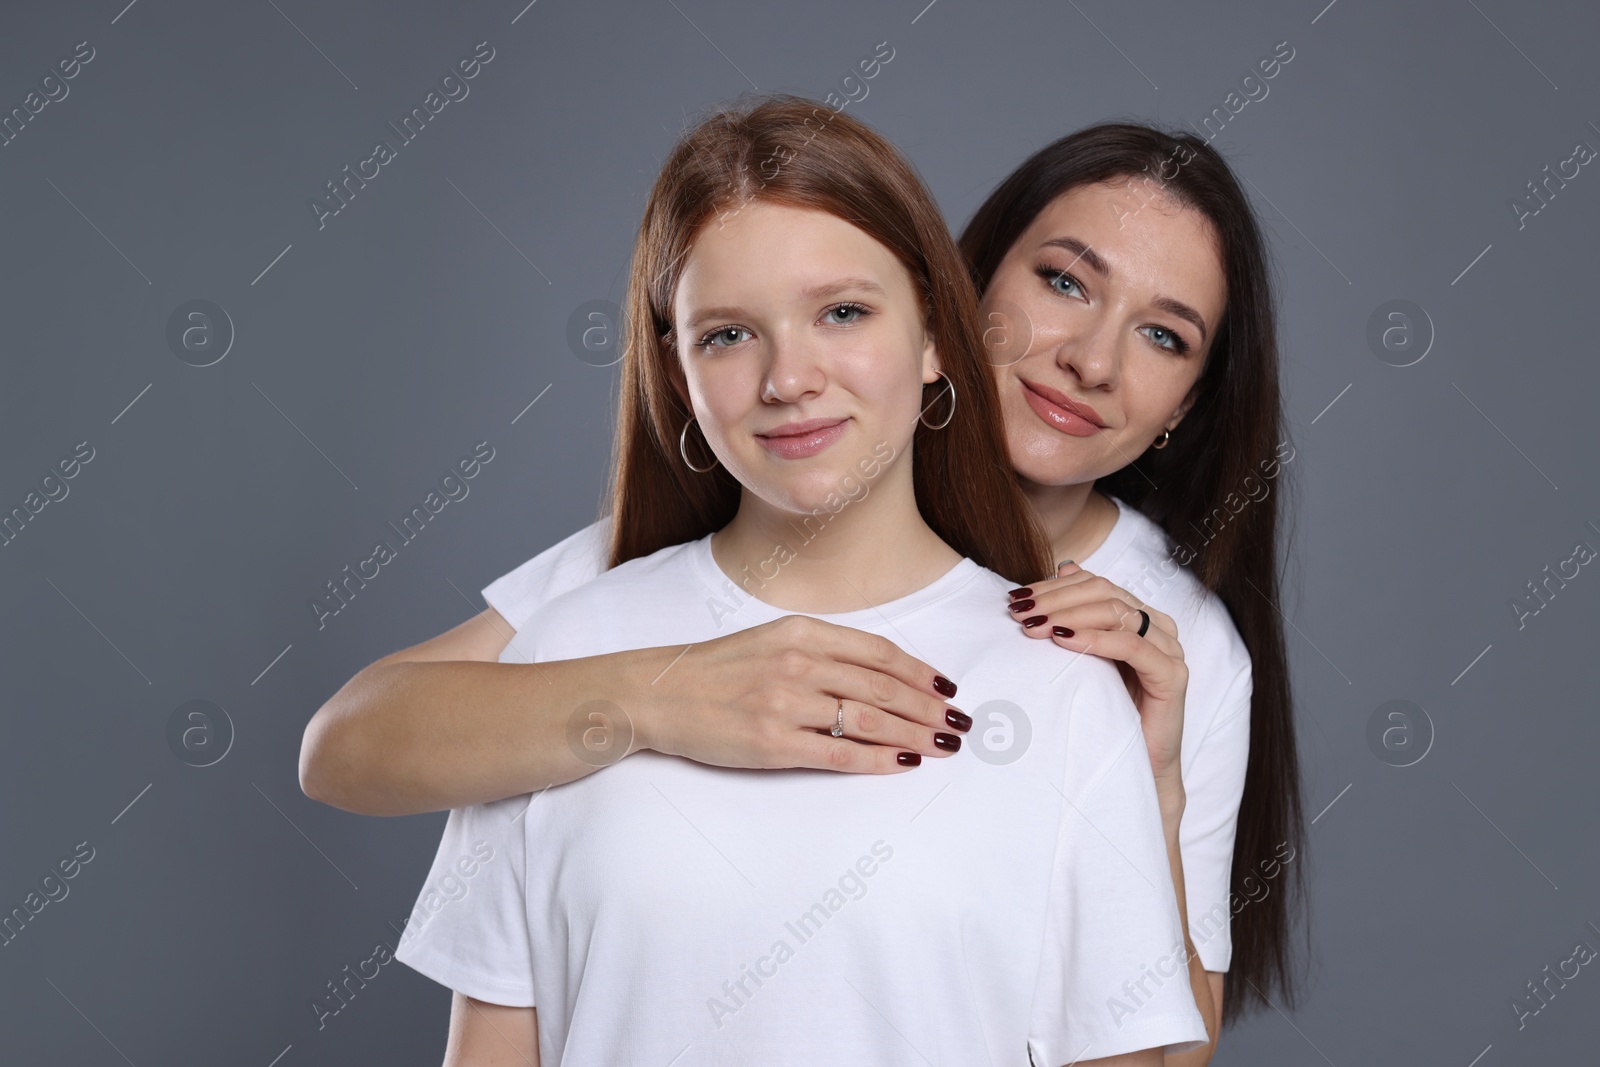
(444, 724)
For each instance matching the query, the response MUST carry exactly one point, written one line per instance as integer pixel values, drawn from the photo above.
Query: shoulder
(1147, 566)
(1059, 683)
(668, 566)
(619, 608)
(565, 565)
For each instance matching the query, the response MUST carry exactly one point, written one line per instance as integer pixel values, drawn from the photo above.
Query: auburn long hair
(789, 150)
(1235, 423)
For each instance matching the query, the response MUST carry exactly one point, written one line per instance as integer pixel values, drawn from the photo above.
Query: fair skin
(788, 316)
(1110, 299)
(442, 724)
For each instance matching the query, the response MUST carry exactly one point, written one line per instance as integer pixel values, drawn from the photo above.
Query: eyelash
(705, 338)
(1051, 274)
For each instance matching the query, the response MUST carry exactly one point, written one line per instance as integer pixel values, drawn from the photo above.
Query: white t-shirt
(1011, 900)
(1216, 727)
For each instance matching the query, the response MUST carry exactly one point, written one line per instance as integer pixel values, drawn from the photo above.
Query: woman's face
(802, 350)
(1098, 322)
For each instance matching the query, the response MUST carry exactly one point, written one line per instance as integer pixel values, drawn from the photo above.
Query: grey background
(429, 313)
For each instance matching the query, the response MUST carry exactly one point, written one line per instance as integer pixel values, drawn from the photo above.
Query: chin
(1045, 457)
(818, 491)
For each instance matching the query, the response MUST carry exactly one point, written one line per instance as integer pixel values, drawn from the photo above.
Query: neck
(1076, 518)
(872, 550)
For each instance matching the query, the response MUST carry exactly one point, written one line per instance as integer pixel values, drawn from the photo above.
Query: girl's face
(1098, 323)
(802, 350)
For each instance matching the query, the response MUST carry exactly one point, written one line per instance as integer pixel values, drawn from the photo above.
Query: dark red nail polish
(1026, 590)
(1061, 631)
(948, 742)
(1035, 621)
(944, 686)
(958, 720)
(1021, 605)
(908, 759)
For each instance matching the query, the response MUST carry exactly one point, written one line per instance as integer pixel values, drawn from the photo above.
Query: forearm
(407, 737)
(1172, 805)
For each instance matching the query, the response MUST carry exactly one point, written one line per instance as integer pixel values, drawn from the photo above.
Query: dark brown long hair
(1234, 425)
(789, 150)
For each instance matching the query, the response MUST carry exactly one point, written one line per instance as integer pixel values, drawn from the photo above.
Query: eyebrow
(816, 292)
(1098, 264)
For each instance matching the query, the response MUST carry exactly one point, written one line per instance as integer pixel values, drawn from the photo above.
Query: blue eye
(1056, 279)
(1165, 338)
(723, 332)
(854, 312)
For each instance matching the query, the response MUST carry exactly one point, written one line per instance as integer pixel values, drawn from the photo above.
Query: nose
(793, 371)
(1090, 349)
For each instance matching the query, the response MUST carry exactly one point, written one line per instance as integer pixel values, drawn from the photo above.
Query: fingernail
(908, 759)
(960, 720)
(1063, 563)
(948, 742)
(944, 686)
(1035, 621)
(1026, 590)
(1061, 631)
(1021, 605)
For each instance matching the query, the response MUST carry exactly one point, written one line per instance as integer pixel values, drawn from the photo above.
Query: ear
(931, 368)
(1188, 403)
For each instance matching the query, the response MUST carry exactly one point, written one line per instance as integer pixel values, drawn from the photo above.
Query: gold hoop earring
(684, 451)
(947, 418)
(1166, 436)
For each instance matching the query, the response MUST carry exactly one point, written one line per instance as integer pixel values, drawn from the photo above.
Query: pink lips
(1061, 411)
(797, 440)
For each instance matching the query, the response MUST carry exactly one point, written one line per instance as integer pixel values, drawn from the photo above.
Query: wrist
(1171, 796)
(635, 694)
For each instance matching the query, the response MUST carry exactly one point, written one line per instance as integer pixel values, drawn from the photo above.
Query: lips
(798, 440)
(1060, 411)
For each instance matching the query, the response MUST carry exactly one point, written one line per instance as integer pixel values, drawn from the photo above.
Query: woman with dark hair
(813, 323)
(1102, 366)
(1056, 253)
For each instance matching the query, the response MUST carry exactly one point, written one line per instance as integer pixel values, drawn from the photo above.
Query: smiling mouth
(1059, 412)
(799, 440)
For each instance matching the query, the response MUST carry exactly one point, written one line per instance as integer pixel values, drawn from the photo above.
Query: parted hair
(789, 150)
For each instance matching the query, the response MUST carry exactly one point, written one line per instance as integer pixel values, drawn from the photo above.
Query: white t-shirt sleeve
(1113, 977)
(565, 565)
(1213, 784)
(469, 929)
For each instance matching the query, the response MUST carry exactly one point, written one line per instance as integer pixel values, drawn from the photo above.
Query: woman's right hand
(767, 697)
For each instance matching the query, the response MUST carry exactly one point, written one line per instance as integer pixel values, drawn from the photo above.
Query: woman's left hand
(1102, 618)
